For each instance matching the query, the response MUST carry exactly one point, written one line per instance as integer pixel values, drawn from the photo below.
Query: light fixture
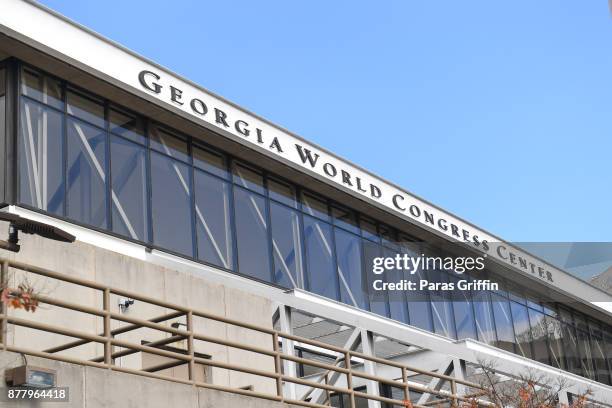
(17, 223)
(29, 376)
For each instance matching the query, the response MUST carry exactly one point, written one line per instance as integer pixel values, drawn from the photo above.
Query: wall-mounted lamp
(29, 376)
(17, 223)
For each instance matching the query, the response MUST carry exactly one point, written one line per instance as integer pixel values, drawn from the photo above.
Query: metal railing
(108, 338)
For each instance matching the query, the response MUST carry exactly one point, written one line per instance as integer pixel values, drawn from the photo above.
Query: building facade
(100, 140)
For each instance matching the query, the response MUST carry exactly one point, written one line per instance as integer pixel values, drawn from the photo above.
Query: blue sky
(500, 112)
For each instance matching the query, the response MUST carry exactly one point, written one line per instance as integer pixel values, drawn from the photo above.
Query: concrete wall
(131, 274)
(92, 387)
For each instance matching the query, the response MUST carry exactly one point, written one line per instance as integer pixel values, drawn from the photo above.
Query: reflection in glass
(129, 194)
(345, 218)
(350, 272)
(379, 302)
(321, 270)
(599, 354)
(522, 330)
(210, 161)
(485, 328)
(441, 307)
(86, 108)
(539, 336)
(315, 206)
(41, 88)
(252, 235)
(286, 246)
(503, 323)
(169, 144)
(171, 204)
(213, 220)
(127, 125)
(41, 153)
(247, 178)
(282, 192)
(86, 174)
(464, 315)
(556, 351)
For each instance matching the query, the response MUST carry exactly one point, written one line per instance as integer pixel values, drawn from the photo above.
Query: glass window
(86, 174)
(321, 270)
(584, 347)
(169, 144)
(2, 107)
(252, 235)
(398, 307)
(286, 246)
(127, 125)
(522, 329)
(555, 340)
(388, 236)
(213, 220)
(314, 206)
(210, 161)
(539, 336)
(485, 328)
(441, 307)
(464, 315)
(608, 348)
(503, 323)
(171, 204)
(86, 107)
(345, 218)
(41, 88)
(350, 272)
(248, 178)
(368, 229)
(419, 310)
(379, 302)
(599, 355)
(570, 345)
(41, 157)
(129, 195)
(282, 192)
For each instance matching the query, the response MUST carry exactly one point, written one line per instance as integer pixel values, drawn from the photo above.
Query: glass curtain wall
(89, 161)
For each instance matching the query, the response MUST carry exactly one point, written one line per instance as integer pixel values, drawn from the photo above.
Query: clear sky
(498, 111)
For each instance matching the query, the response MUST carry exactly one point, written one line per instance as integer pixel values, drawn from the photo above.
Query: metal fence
(189, 356)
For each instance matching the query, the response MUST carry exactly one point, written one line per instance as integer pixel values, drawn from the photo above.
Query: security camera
(125, 303)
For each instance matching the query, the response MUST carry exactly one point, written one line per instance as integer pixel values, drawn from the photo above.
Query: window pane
(252, 235)
(368, 229)
(41, 153)
(485, 328)
(570, 345)
(441, 307)
(210, 161)
(539, 336)
(584, 347)
(555, 340)
(129, 195)
(599, 354)
(503, 323)
(398, 307)
(350, 272)
(86, 108)
(41, 88)
(282, 192)
(286, 246)
(127, 125)
(315, 206)
(213, 220)
(171, 201)
(87, 201)
(345, 218)
(379, 302)
(464, 315)
(322, 276)
(169, 144)
(419, 306)
(522, 329)
(247, 178)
